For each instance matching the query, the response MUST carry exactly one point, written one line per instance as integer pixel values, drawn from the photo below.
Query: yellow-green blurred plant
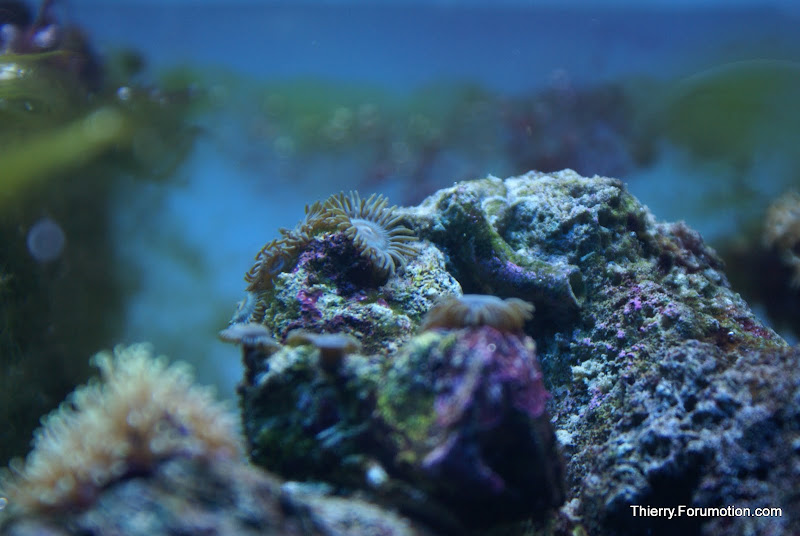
(50, 123)
(735, 110)
(72, 129)
(738, 124)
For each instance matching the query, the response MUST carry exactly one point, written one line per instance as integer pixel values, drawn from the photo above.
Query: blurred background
(149, 150)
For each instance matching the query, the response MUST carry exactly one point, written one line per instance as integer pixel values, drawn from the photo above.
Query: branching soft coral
(143, 411)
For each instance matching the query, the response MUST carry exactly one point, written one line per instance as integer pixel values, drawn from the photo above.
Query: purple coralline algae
(655, 384)
(466, 418)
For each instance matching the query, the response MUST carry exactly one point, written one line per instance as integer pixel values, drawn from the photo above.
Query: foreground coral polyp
(144, 452)
(141, 412)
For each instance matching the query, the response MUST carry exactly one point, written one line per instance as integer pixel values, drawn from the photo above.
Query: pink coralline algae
(308, 302)
(497, 368)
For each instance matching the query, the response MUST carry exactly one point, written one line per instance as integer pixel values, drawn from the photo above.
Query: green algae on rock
(305, 422)
(469, 225)
(430, 419)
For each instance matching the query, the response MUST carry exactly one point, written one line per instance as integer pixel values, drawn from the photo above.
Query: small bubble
(46, 240)
(376, 476)
(124, 93)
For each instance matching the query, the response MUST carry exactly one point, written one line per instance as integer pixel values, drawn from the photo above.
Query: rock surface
(665, 389)
(226, 498)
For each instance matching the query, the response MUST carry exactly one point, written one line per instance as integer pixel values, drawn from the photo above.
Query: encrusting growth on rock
(143, 411)
(473, 310)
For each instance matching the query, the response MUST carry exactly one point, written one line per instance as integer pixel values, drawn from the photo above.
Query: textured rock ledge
(665, 389)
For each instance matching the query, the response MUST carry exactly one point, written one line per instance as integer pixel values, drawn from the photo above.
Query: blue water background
(508, 48)
(225, 212)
